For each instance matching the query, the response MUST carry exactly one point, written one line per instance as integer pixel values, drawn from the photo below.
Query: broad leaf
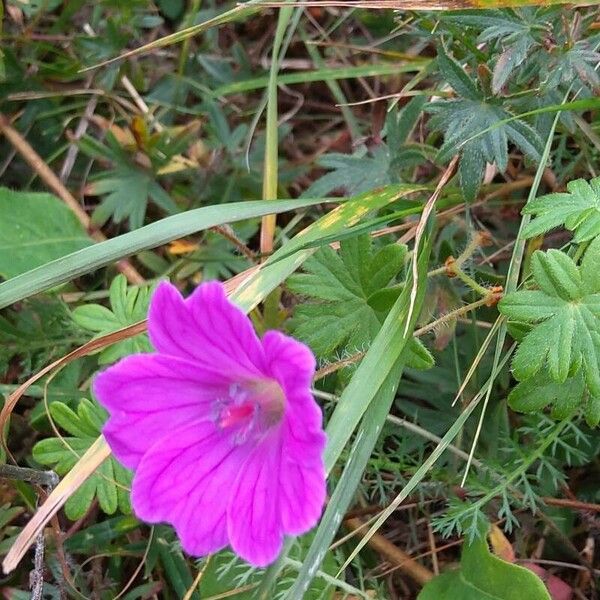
(483, 576)
(340, 317)
(578, 210)
(34, 229)
(564, 312)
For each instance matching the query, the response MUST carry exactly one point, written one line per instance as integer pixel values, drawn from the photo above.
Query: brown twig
(416, 571)
(35, 161)
(574, 504)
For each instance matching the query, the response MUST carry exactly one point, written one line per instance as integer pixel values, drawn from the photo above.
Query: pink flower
(220, 427)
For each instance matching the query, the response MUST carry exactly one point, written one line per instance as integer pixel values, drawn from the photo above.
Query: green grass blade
(378, 362)
(376, 70)
(292, 254)
(153, 235)
(365, 441)
(271, 162)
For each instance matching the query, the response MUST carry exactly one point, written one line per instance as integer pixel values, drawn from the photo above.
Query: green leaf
(35, 228)
(510, 59)
(592, 411)
(339, 286)
(564, 311)
(129, 305)
(340, 318)
(110, 483)
(127, 190)
(541, 390)
(479, 129)
(352, 173)
(578, 210)
(456, 76)
(483, 576)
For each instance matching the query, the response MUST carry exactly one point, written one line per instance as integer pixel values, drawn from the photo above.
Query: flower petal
(289, 361)
(253, 515)
(149, 395)
(186, 480)
(302, 480)
(206, 327)
(302, 477)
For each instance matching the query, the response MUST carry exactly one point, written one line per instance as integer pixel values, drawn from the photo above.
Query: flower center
(250, 409)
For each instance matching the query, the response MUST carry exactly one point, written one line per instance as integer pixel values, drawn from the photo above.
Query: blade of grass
(153, 235)
(430, 461)
(270, 171)
(329, 74)
(372, 407)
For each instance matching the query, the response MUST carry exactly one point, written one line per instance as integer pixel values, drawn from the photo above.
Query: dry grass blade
(427, 4)
(427, 210)
(87, 348)
(97, 453)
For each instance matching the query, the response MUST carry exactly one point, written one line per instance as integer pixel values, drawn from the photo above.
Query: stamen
(234, 415)
(250, 408)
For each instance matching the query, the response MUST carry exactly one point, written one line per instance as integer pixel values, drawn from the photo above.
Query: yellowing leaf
(179, 247)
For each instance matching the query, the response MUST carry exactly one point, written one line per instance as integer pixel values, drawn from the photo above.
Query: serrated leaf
(128, 305)
(339, 285)
(456, 76)
(109, 483)
(556, 274)
(479, 130)
(483, 576)
(541, 390)
(354, 173)
(34, 229)
(577, 210)
(565, 313)
(126, 192)
(470, 171)
(510, 59)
